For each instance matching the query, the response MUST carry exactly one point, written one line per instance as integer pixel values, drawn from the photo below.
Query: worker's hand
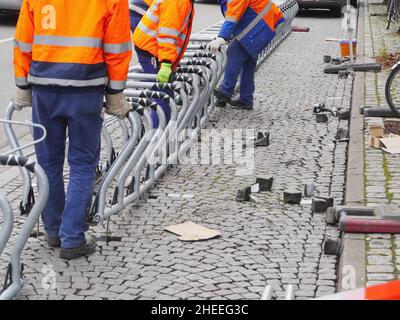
(214, 45)
(22, 99)
(117, 105)
(165, 72)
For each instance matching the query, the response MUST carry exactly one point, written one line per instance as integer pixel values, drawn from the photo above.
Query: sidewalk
(380, 182)
(262, 243)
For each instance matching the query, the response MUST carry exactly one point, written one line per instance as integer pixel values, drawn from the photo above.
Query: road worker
(137, 10)
(161, 39)
(67, 56)
(250, 25)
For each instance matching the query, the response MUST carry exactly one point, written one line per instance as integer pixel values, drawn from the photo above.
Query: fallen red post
(365, 225)
(300, 29)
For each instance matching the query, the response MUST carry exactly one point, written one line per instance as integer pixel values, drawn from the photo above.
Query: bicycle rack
(289, 295)
(146, 152)
(134, 160)
(14, 278)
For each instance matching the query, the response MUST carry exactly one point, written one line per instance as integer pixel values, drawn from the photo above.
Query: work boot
(220, 103)
(221, 97)
(238, 104)
(85, 249)
(54, 242)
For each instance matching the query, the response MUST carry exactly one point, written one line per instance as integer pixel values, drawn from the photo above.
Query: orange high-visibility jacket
(73, 43)
(164, 30)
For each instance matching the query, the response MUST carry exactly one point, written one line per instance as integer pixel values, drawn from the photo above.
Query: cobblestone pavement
(382, 170)
(267, 242)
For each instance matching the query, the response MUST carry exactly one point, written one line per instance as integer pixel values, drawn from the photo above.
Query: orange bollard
(345, 48)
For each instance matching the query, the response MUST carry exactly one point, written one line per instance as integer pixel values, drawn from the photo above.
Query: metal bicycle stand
(14, 278)
(130, 166)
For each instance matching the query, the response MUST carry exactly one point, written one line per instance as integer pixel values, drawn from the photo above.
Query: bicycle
(393, 12)
(392, 90)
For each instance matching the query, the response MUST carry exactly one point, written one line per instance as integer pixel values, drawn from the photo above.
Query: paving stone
(380, 244)
(80, 285)
(327, 276)
(380, 269)
(379, 260)
(380, 252)
(305, 293)
(380, 276)
(308, 281)
(74, 297)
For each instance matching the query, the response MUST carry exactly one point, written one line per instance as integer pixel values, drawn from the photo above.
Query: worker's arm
(23, 42)
(117, 45)
(174, 14)
(234, 12)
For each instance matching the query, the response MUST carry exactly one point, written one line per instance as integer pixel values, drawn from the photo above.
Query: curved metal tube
(131, 162)
(124, 155)
(27, 227)
(125, 130)
(17, 149)
(8, 221)
(109, 148)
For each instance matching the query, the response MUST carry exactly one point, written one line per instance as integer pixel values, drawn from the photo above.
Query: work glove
(22, 99)
(117, 105)
(214, 45)
(164, 75)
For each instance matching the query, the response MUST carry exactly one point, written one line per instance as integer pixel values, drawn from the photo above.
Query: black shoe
(85, 249)
(222, 98)
(220, 103)
(237, 104)
(54, 242)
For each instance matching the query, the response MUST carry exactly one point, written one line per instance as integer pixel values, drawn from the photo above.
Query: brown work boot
(83, 250)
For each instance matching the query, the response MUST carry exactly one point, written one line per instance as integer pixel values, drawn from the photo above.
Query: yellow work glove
(165, 72)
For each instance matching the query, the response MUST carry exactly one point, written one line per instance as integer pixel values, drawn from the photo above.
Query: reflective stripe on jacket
(241, 14)
(140, 6)
(73, 43)
(164, 30)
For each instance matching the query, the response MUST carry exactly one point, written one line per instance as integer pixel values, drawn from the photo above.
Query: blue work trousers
(240, 63)
(150, 65)
(79, 111)
(135, 19)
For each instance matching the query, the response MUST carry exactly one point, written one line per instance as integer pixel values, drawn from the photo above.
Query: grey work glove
(117, 105)
(22, 99)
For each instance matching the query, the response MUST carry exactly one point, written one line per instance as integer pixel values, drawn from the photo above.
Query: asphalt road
(207, 13)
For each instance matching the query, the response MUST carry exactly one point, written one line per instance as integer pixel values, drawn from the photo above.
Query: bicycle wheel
(390, 12)
(389, 19)
(392, 90)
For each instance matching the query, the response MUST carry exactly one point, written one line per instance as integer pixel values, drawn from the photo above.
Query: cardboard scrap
(389, 143)
(190, 231)
(392, 144)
